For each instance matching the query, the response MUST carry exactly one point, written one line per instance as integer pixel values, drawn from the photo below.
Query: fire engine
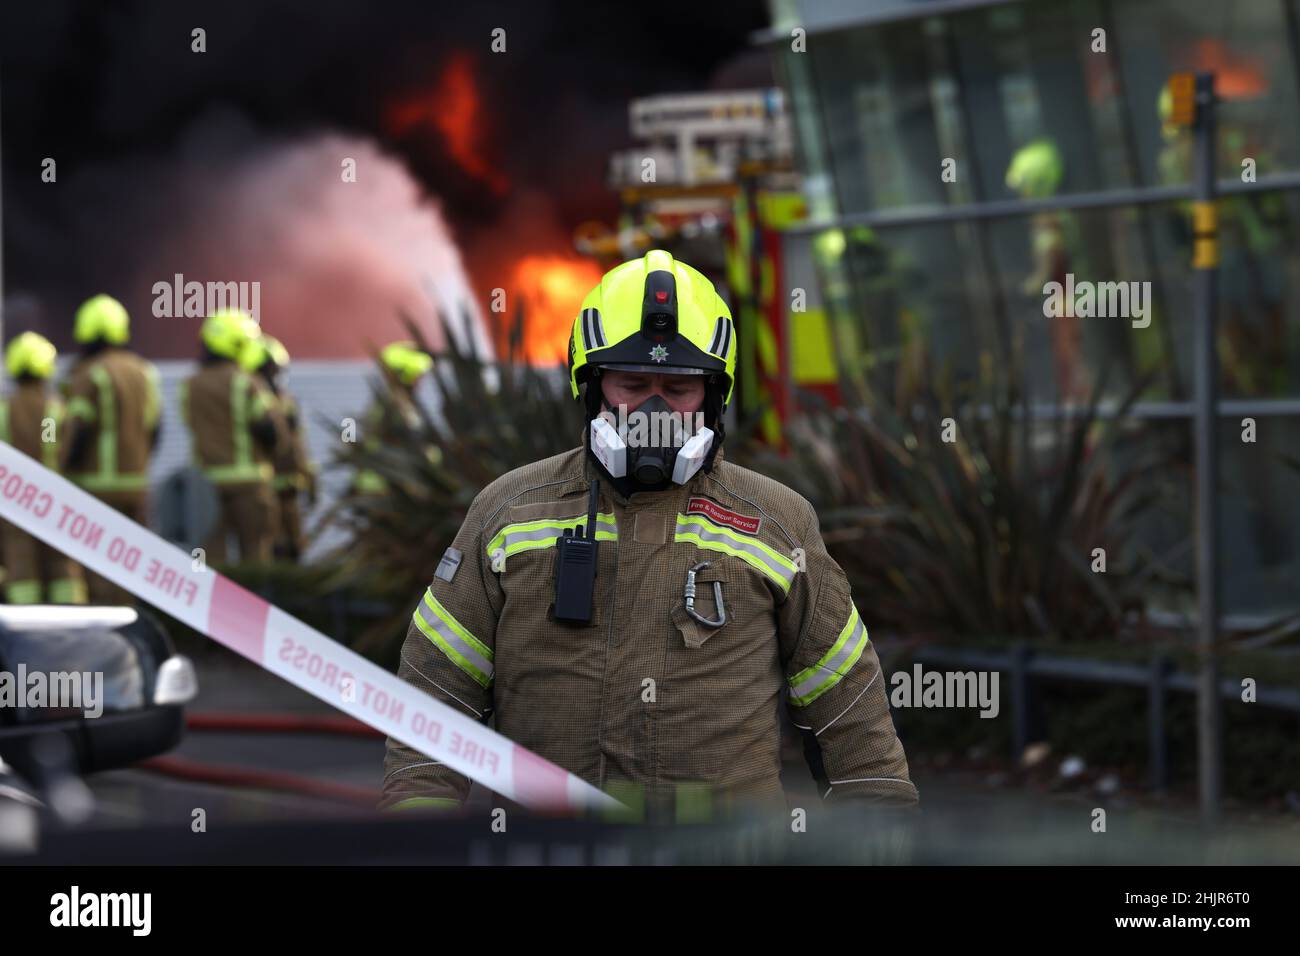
(711, 179)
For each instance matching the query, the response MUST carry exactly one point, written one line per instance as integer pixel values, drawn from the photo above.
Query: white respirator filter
(691, 456)
(610, 449)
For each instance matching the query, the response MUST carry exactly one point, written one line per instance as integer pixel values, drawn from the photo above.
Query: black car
(84, 689)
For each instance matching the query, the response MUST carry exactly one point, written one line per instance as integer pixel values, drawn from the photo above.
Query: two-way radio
(575, 568)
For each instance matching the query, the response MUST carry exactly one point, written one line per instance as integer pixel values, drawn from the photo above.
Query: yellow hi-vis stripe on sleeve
(463, 649)
(426, 803)
(530, 535)
(694, 529)
(811, 682)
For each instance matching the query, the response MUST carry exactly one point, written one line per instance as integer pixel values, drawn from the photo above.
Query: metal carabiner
(689, 596)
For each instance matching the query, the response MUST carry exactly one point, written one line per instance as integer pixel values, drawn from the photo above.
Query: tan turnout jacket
(645, 702)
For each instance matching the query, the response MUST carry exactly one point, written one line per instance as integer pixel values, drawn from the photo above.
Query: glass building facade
(921, 126)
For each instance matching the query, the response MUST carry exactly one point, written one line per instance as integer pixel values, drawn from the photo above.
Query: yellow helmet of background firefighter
(31, 354)
(654, 314)
(263, 348)
(406, 361)
(102, 319)
(1036, 169)
(227, 333)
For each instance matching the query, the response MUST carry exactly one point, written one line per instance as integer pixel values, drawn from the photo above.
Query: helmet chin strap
(713, 398)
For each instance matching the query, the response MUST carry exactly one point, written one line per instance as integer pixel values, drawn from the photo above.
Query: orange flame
(1236, 76)
(455, 110)
(552, 288)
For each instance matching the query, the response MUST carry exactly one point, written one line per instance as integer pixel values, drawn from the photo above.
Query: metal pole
(1020, 701)
(1205, 261)
(1157, 740)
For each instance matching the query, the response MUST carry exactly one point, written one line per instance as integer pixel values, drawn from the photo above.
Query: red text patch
(715, 512)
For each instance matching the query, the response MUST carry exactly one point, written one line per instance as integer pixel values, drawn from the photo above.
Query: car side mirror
(106, 680)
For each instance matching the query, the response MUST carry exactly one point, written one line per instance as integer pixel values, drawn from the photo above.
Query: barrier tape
(53, 509)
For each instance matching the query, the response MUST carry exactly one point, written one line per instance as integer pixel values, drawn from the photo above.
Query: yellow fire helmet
(406, 360)
(227, 333)
(102, 319)
(655, 315)
(31, 354)
(262, 349)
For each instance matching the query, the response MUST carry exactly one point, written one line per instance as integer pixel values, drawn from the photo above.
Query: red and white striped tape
(53, 509)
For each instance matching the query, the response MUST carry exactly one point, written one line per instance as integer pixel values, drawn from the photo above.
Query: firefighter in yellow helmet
(235, 428)
(114, 415)
(403, 365)
(32, 420)
(267, 359)
(1036, 172)
(657, 679)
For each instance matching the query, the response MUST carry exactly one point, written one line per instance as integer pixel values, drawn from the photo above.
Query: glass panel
(1259, 298)
(889, 111)
(907, 302)
(1016, 94)
(1128, 319)
(817, 185)
(1043, 106)
(1259, 515)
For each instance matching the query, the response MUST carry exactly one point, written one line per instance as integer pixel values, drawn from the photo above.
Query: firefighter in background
(31, 420)
(114, 408)
(235, 429)
(403, 365)
(855, 263)
(295, 473)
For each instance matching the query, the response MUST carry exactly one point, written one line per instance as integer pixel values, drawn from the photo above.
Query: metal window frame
(1013, 208)
(902, 10)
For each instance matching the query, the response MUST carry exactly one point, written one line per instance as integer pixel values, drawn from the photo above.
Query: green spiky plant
(993, 531)
(991, 534)
(492, 417)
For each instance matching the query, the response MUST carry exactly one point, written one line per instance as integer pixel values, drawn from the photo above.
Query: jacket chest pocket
(533, 650)
(701, 615)
(525, 552)
(528, 580)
